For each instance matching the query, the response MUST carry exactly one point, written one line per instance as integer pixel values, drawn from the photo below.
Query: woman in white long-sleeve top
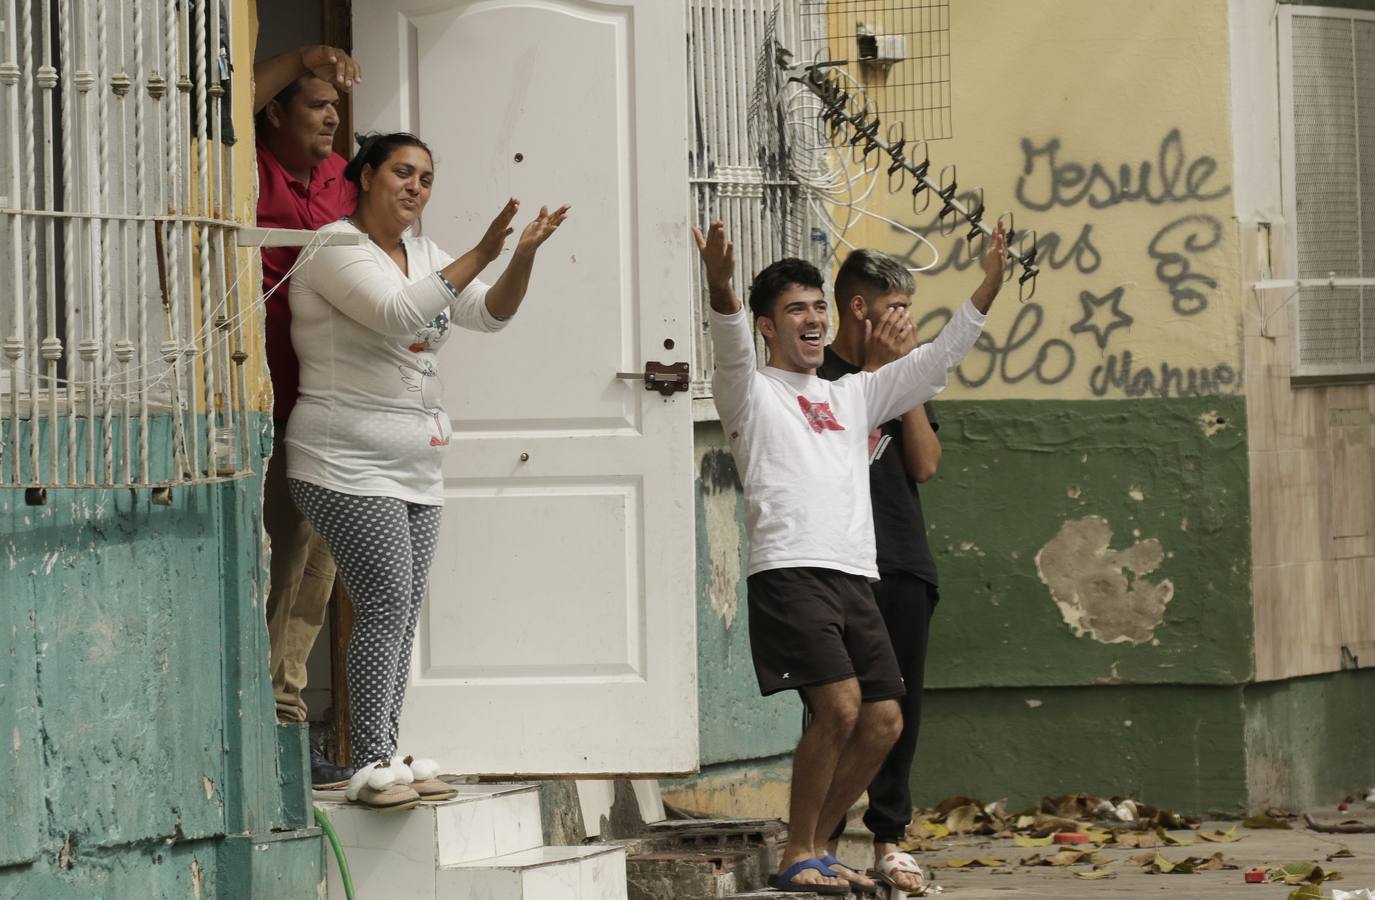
(366, 436)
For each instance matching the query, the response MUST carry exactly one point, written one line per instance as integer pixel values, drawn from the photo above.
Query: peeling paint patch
(1212, 423)
(18, 742)
(1102, 592)
(1074, 492)
(720, 490)
(1033, 704)
(197, 877)
(1136, 493)
(209, 787)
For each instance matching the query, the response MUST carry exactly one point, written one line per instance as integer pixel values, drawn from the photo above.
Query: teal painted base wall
(735, 722)
(1171, 745)
(1298, 744)
(138, 728)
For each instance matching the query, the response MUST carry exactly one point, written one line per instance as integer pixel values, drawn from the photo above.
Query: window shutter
(1333, 106)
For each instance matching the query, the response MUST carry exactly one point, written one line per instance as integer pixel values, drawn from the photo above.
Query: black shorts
(812, 626)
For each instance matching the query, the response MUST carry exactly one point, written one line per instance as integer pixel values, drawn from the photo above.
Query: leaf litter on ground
(1066, 857)
(1299, 873)
(1157, 864)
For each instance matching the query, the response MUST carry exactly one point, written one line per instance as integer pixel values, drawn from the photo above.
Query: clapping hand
(494, 241)
(540, 229)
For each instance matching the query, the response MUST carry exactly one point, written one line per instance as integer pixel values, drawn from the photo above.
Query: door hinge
(666, 378)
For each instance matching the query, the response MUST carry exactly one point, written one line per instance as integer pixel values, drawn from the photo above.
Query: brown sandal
(379, 786)
(388, 799)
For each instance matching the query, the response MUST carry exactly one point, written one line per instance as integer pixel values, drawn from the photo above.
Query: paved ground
(1256, 848)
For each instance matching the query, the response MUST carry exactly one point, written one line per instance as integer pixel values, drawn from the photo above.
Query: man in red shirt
(300, 185)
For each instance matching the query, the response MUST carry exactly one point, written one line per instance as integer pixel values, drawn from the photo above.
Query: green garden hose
(323, 821)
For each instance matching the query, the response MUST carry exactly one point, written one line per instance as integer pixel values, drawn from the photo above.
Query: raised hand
(494, 241)
(331, 64)
(994, 262)
(718, 255)
(894, 337)
(540, 229)
(994, 265)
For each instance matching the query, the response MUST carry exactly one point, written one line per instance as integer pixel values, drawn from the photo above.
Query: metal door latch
(666, 378)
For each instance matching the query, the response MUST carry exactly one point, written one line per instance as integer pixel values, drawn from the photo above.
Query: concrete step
(397, 854)
(593, 872)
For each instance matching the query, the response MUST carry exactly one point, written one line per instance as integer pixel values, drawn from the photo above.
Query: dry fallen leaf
(1066, 857)
(1159, 865)
(1299, 873)
(935, 830)
(1142, 839)
(1265, 822)
(1212, 863)
(1220, 837)
(1022, 840)
(963, 819)
(1096, 873)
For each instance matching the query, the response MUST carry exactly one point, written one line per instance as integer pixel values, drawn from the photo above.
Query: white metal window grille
(1327, 67)
(738, 167)
(121, 291)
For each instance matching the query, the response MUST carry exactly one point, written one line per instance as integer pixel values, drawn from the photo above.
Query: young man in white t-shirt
(801, 446)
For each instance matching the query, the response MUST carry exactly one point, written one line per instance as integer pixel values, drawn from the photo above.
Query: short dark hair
(775, 279)
(282, 99)
(871, 274)
(375, 149)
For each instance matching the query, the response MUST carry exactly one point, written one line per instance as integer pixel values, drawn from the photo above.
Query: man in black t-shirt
(873, 292)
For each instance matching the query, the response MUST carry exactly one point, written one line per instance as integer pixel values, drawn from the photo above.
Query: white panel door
(559, 635)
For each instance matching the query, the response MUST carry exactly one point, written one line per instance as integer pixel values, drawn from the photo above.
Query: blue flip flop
(786, 884)
(831, 862)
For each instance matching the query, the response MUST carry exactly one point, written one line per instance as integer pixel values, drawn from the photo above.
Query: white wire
(833, 183)
(191, 351)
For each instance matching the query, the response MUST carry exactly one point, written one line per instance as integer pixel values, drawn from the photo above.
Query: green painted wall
(1014, 472)
(1172, 745)
(139, 727)
(1309, 740)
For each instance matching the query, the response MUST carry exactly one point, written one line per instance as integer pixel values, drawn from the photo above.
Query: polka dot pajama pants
(383, 548)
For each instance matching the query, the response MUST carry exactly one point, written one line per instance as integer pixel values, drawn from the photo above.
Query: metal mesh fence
(899, 50)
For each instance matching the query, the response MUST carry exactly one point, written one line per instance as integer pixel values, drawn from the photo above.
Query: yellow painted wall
(1104, 124)
(244, 17)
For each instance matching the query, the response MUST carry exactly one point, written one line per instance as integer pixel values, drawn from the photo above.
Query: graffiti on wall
(1094, 204)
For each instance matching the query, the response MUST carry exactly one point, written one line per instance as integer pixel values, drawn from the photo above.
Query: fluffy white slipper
(373, 775)
(423, 769)
(404, 773)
